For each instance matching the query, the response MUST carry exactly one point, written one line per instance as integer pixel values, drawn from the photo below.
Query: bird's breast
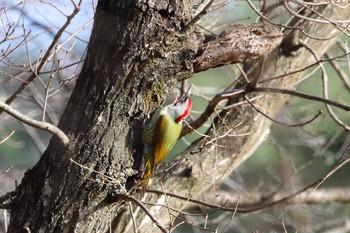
(167, 134)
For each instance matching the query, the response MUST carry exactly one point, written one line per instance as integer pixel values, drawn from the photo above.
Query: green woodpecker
(162, 131)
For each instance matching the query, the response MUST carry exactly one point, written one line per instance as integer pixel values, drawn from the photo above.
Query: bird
(162, 131)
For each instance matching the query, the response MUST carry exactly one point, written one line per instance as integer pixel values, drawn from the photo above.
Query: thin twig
(221, 207)
(7, 137)
(133, 218)
(47, 90)
(337, 165)
(167, 205)
(6, 170)
(45, 57)
(210, 109)
(303, 69)
(281, 123)
(324, 20)
(343, 76)
(301, 29)
(197, 17)
(324, 77)
(143, 207)
(302, 95)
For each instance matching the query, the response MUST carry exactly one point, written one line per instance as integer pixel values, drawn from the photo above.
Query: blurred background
(290, 158)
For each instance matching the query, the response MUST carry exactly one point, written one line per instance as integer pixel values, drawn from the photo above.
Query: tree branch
(210, 110)
(227, 201)
(37, 124)
(201, 13)
(279, 122)
(324, 77)
(302, 95)
(7, 137)
(341, 73)
(143, 207)
(238, 43)
(320, 196)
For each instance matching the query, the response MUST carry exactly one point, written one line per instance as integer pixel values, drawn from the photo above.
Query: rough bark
(245, 43)
(136, 54)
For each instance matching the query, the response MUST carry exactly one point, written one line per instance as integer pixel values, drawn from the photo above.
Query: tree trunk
(136, 54)
(120, 83)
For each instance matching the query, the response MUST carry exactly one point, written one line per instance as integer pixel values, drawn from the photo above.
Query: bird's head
(181, 108)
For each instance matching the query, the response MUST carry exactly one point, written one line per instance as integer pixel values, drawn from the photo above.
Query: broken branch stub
(238, 43)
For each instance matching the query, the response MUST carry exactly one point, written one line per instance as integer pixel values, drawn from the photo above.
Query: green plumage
(160, 135)
(162, 131)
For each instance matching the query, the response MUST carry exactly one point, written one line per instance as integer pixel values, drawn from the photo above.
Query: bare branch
(302, 95)
(286, 26)
(193, 200)
(7, 137)
(202, 12)
(37, 124)
(281, 123)
(143, 207)
(317, 20)
(313, 186)
(325, 88)
(320, 196)
(305, 68)
(343, 76)
(44, 58)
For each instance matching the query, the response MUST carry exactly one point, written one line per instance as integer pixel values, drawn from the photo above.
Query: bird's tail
(148, 172)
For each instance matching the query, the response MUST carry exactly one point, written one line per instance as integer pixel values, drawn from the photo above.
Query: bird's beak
(185, 96)
(189, 91)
